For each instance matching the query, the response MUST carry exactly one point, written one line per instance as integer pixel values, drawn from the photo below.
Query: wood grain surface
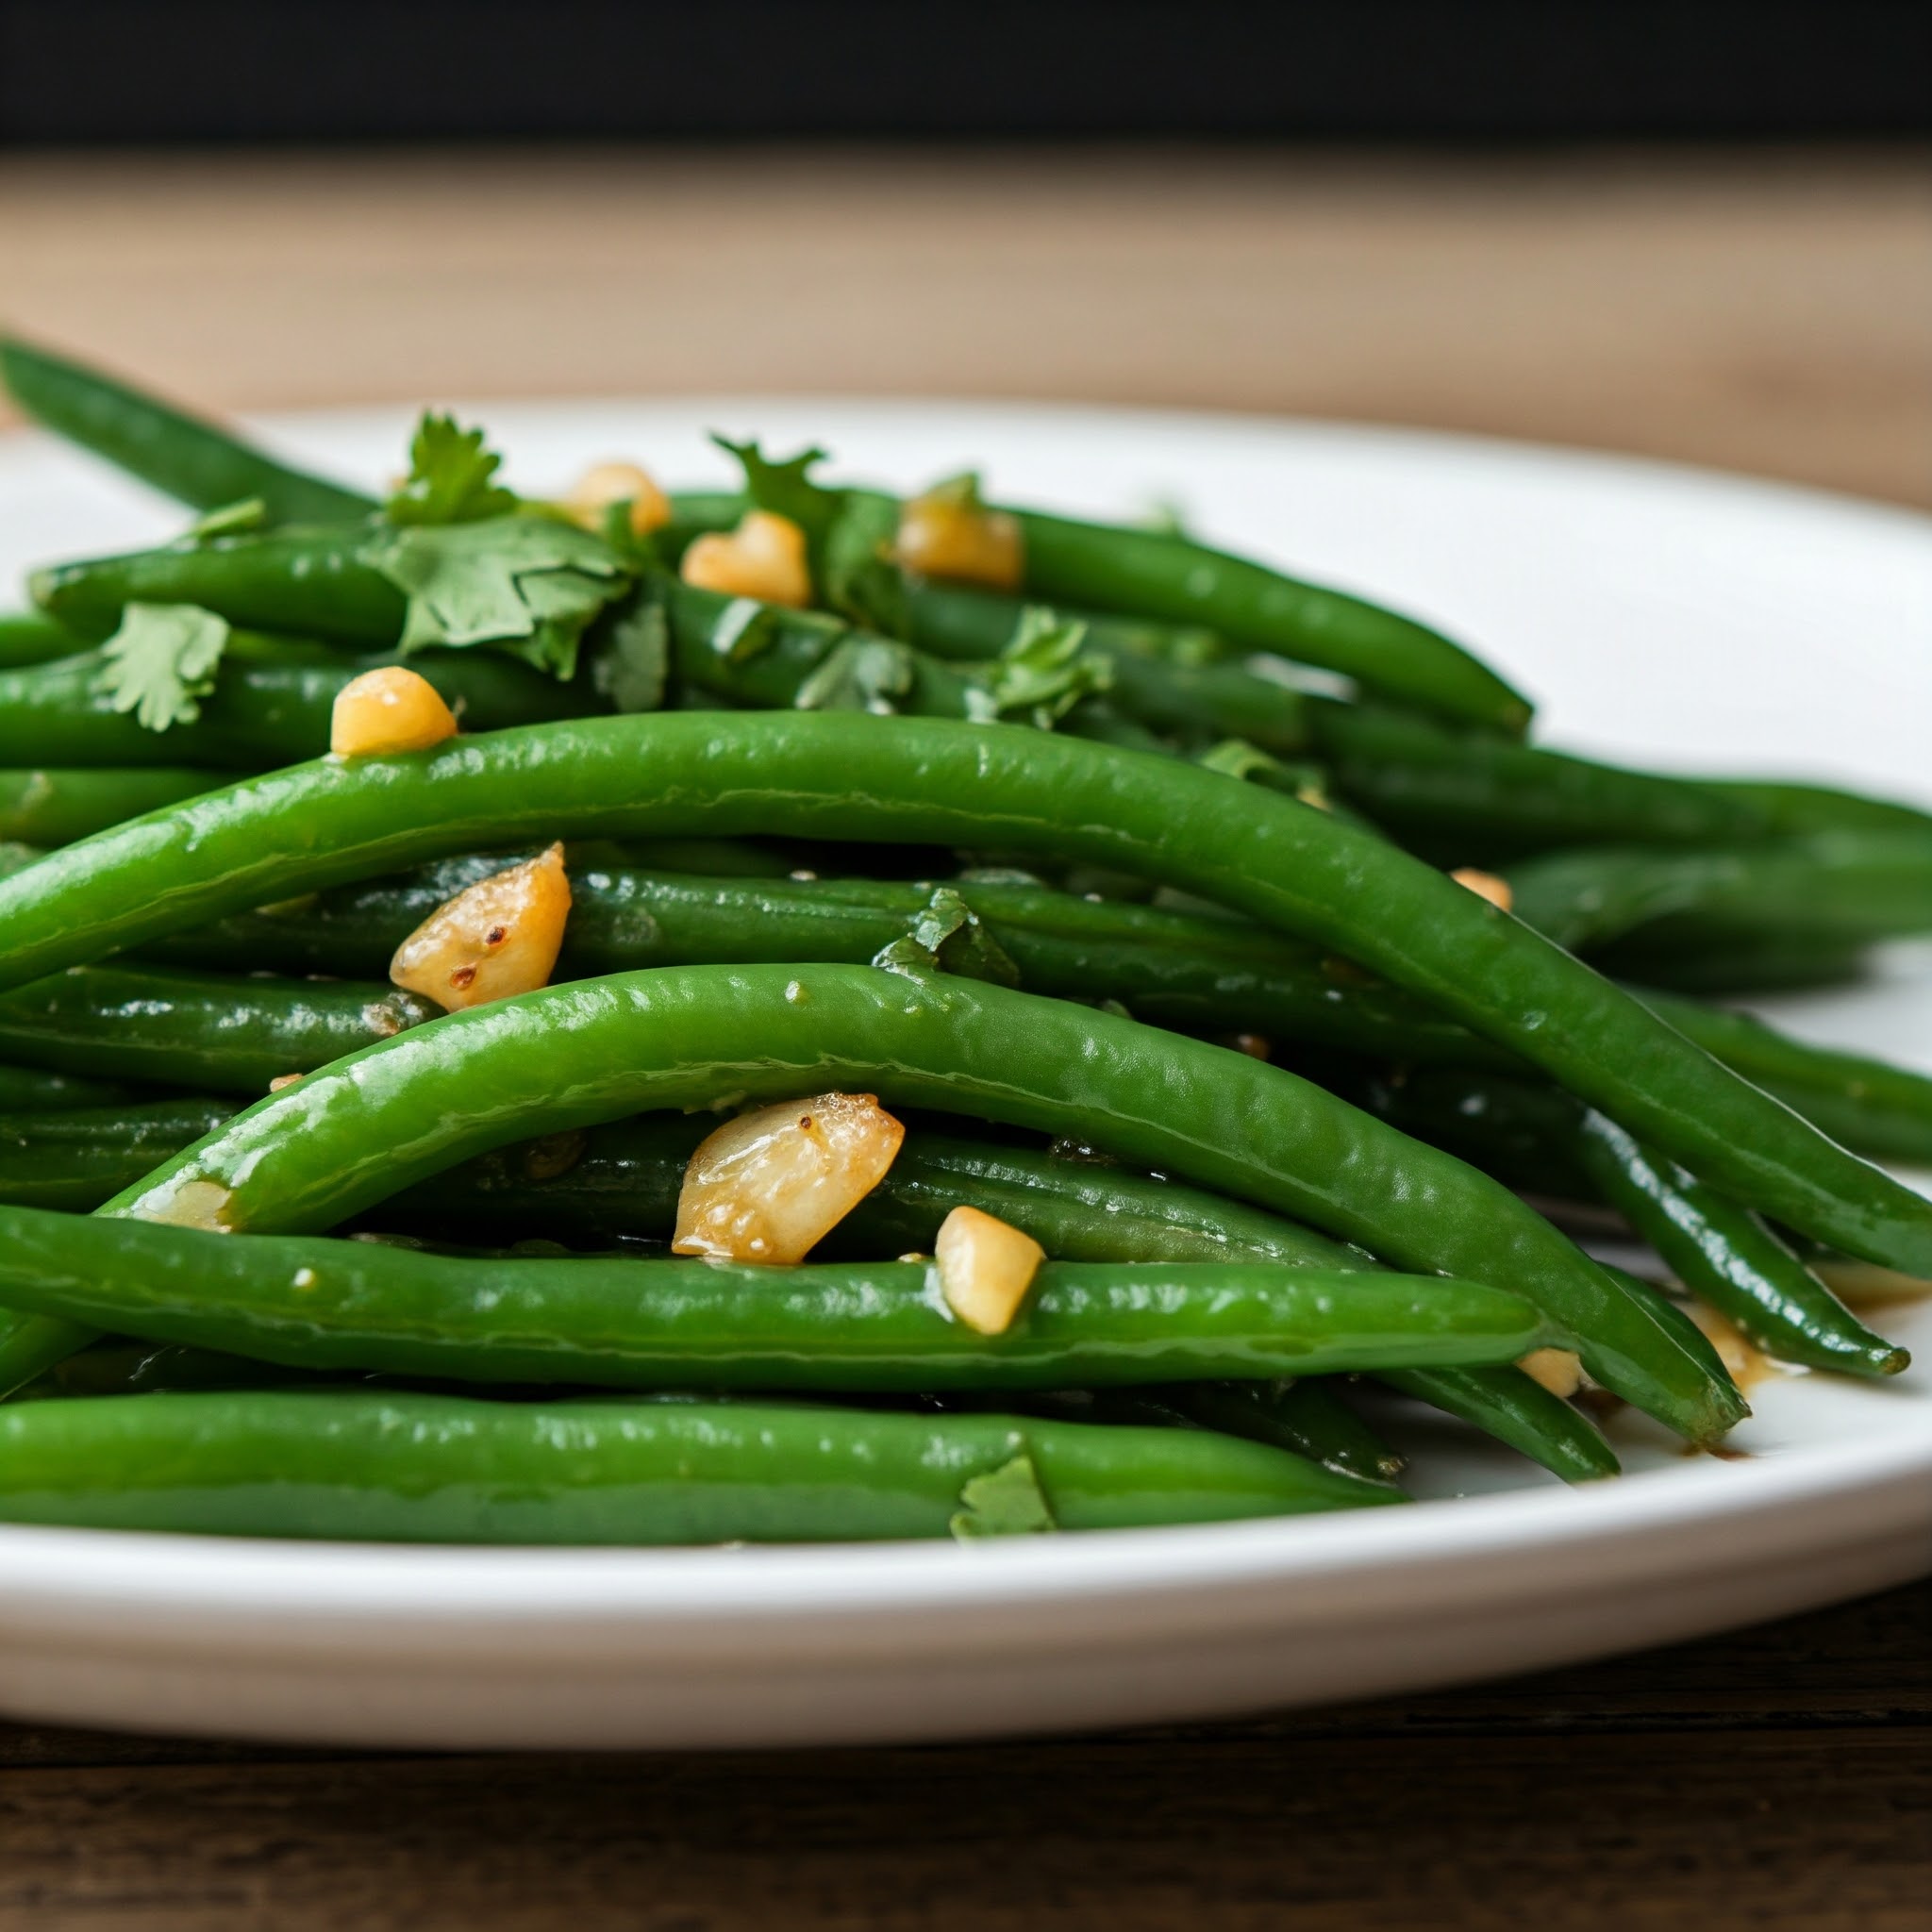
(1778, 1777)
(1764, 314)
(1770, 313)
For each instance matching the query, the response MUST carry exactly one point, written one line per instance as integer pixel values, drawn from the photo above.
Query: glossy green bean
(1469, 797)
(1518, 1410)
(181, 454)
(1856, 885)
(317, 1303)
(1178, 581)
(1727, 1257)
(1794, 811)
(407, 1468)
(1304, 1416)
(57, 807)
(196, 1030)
(271, 705)
(932, 780)
(33, 1090)
(570, 1057)
(27, 636)
(75, 1160)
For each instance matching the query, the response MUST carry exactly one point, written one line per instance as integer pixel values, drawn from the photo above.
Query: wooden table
(1766, 314)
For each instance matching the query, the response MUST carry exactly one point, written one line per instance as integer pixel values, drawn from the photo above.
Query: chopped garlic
(604, 483)
(1557, 1369)
(390, 709)
(283, 1080)
(497, 938)
(986, 1267)
(765, 557)
(768, 1186)
(948, 533)
(1485, 885)
(1744, 1361)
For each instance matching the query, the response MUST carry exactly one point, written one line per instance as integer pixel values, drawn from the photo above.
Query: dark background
(200, 70)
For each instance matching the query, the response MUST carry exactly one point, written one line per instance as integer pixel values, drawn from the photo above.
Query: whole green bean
(1857, 885)
(1150, 574)
(76, 1159)
(1306, 1416)
(56, 808)
(33, 1090)
(179, 454)
(1723, 964)
(117, 1367)
(1470, 798)
(1517, 1409)
(572, 1056)
(407, 1468)
(1726, 1256)
(27, 636)
(317, 1303)
(271, 705)
(225, 1035)
(1797, 809)
(939, 781)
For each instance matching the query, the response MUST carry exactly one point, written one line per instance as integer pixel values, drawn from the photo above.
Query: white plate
(1663, 615)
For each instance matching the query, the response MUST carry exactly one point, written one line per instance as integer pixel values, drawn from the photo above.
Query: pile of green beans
(1120, 882)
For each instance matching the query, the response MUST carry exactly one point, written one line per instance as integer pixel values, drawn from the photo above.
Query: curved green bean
(572, 1056)
(180, 455)
(75, 1160)
(1518, 1410)
(227, 1034)
(57, 807)
(27, 636)
(933, 781)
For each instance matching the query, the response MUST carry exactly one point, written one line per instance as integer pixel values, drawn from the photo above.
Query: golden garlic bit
(1485, 885)
(765, 557)
(387, 710)
(495, 938)
(1557, 1369)
(604, 483)
(949, 533)
(985, 1266)
(1744, 1361)
(770, 1184)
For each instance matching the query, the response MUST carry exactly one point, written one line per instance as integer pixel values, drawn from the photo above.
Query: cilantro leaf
(161, 662)
(525, 585)
(449, 479)
(786, 489)
(946, 936)
(1238, 759)
(1008, 1501)
(1045, 671)
(633, 666)
(858, 674)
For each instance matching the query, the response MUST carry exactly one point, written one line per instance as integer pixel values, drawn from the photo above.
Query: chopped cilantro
(449, 479)
(946, 936)
(786, 489)
(161, 662)
(1238, 759)
(858, 674)
(633, 666)
(525, 585)
(1044, 672)
(1008, 1501)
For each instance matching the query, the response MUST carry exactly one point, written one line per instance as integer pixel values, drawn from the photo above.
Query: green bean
(933, 781)
(1855, 886)
(570, 1057)
(394, 1467)
(271, 705)
(1468, 796)
(27, 637)
(1881, 1110)
(33, 1090)
(116, 1367)
(1726, 1256)
(1794, 811)
(179, 454)
(317, 1303)
(57, 807)
(972, 625)
(76, 1159)
(1517, 1409)
(226, 1035)
(1178, 581)
(1304, 1416)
